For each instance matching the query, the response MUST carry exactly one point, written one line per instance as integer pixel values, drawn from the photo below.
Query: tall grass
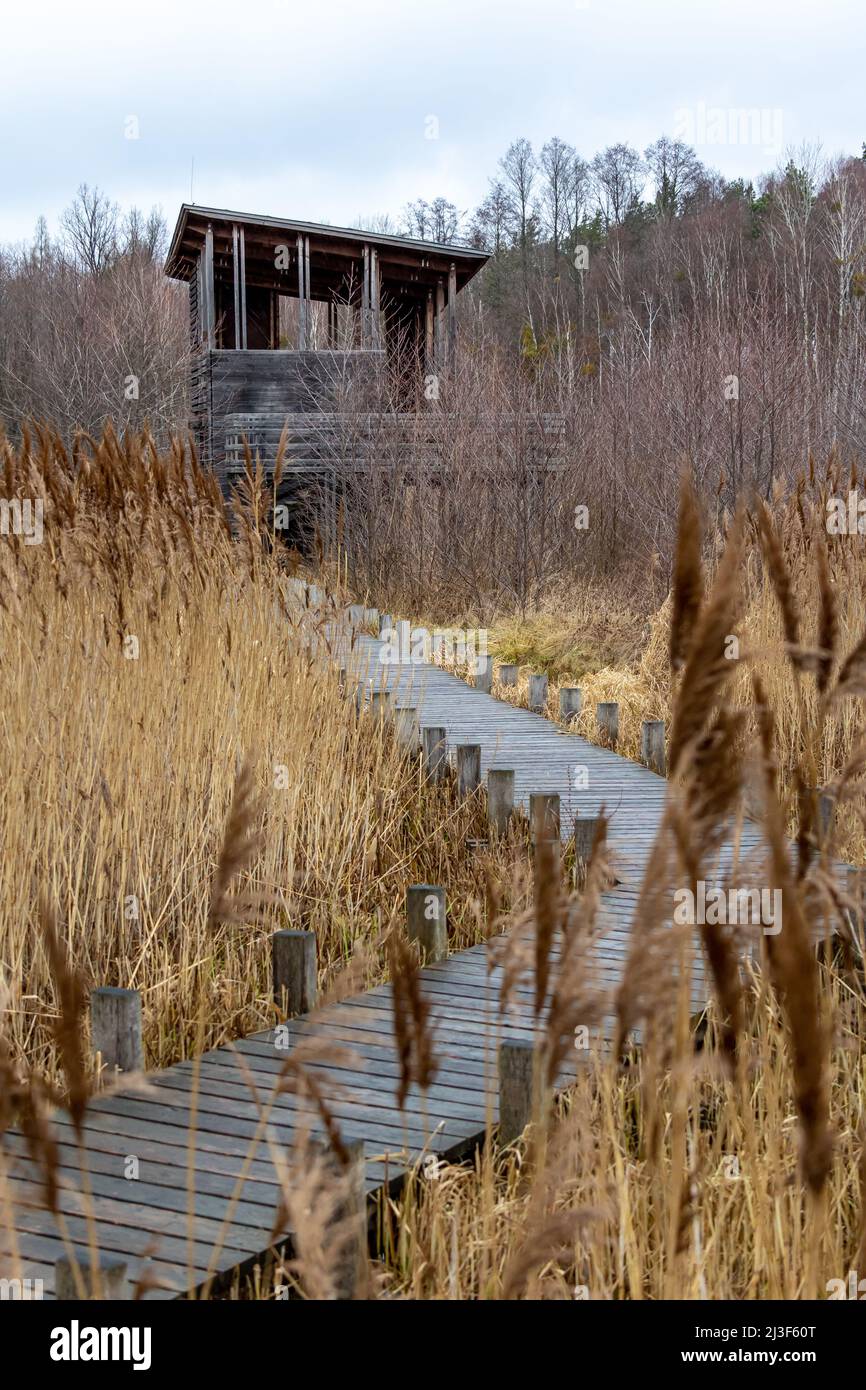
(210, 777)
(148, 651)
(575, 638)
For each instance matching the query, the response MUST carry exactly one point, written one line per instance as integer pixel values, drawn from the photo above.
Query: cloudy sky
(321, 109)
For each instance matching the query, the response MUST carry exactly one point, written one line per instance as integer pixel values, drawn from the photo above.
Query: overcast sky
(320, 109)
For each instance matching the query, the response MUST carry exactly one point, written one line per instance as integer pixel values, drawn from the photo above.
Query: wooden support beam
(210, 321)
(343, 1180)
(544, 816)
(468, 768)
(516, 1076)
(584, 834)
(426, 920)
(538, 693)
(115, 1028)
(429, 329)
(376, 333)
(406, 726)
(570, 703)
(302, 295)
(293, 960)
(826, 815)
(365, 298)
(607, 719)
(484, 676)
(500, 798)
(236, 276)
(308, 314)
(381, 704)
(452, 315)
(242, 249)
(652, 745)
(105, 1279)
(508, 674)
(439, 346)
(434, 741)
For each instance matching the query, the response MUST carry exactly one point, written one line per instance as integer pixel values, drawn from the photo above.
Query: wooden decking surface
(206, 1168)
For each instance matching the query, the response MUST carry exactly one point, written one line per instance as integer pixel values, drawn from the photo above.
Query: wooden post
(570, 703)
(429, 349)
(404, 640)
(374, 298)
(365, 299)
(544, 815)
(348, 1218)
(115, 1028)
(386, 623)
(468, 768)
(209, 288)
(484, 676)
(293, 957)
(538, 693)
(308, 307)
(584, 834)
(439, 349)
(434, 742)
(236, 274)
(652, 745)
(452, 315)
(508, 674)
(855, 878)
(109, 1280)
(356, 614)
(516, 1066)
(371, 617)
(302, 296)
(381, 702)
(201, 301)
(426, 920)
(406, 726)
(242, 250)
(500, 798)
(607, 718)
(826, 813)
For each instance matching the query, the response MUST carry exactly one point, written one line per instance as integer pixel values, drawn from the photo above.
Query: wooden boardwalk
(206, 1172)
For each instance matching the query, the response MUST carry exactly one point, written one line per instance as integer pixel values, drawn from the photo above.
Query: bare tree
(90, 226)
(618, 178)
(519, 168)
(489, 226)
(436, 221)
(676, 173)
(557, 162)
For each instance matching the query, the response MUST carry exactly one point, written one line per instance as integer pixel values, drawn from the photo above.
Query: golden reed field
(182, 775)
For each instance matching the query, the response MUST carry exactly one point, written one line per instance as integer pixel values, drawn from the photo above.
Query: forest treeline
(663, 315)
